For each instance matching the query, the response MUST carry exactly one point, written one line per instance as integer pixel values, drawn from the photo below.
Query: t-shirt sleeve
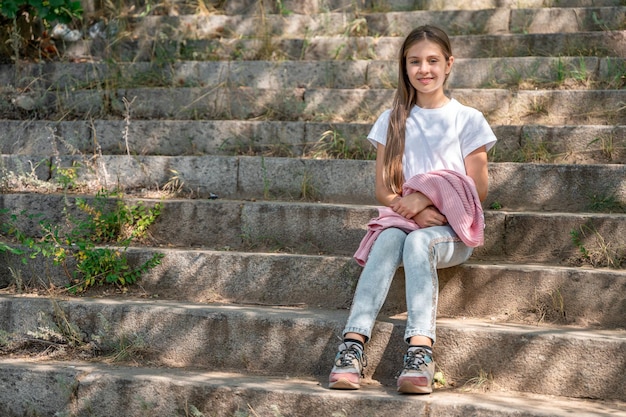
(476, 133)
(378, 133)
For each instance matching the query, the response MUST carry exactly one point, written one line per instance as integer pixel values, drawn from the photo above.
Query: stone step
(604, 43)
(525, 237)
(518, 72)
(273, 341)
(91, 389)
(288, 7)
(513, 186)
(527, 293)
(522, 143)
(500, 106)
(500, 20)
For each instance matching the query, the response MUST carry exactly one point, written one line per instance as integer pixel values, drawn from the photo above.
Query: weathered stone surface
(269, 341)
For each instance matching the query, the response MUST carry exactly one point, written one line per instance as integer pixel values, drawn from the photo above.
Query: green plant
(357, 27)
(439, 378)
(66, 177)
(607, 145)
(76, 244)
(337, 51)
(282, 10)
(70, 331)
(47, 10)
(307, 188)
(267, 49)
(4, 338)
(616, 73)
(495, 206)
(581, 73)
(560, 71)
(6, 248)
(125, 347)
(533, 151)
(558, 303)
(576, 236)
(118, 346)
(15, 42)
(378, 6)
(514, 76)
(606, 204)
(595, 250)
(482, 381)
(23, 25)
(600, 23)
(191, 410)
(332, 144)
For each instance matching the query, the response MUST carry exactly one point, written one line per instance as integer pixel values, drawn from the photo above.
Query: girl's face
(427, 67)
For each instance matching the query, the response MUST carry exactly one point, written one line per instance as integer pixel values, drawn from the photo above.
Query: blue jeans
(421, 252)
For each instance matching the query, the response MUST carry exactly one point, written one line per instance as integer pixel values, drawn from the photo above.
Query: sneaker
(348, 369)
(417, 374)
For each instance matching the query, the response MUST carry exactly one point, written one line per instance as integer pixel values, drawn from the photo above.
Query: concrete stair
(243, 316)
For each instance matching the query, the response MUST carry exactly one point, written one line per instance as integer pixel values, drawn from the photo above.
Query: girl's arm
(407, 206)
(383, 194)
(476, 168)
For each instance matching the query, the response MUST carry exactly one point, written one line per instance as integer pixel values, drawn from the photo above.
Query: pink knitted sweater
(453, 193)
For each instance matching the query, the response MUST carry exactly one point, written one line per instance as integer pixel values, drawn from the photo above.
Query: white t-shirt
(438, 138)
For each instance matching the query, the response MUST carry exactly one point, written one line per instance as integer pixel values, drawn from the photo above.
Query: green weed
(192, 411)
(594, 249)
(606, 204)
(601, 24)
(118, 347)
(4, 338)
(24, 22)
(282, 10)
(558, 303)
(560, 71)
(481, 382)
(616, 73)
(357, 27)
(76, 244)
(71, 333)
(308, 190)
(66, 177)
(606, 144)
(580, 74)
(334, 145)
(532, 151)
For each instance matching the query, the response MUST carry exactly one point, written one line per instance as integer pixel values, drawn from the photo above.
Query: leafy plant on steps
(92, 247)
(24, 22)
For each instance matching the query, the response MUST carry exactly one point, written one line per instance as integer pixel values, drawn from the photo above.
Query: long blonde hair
(404, 100)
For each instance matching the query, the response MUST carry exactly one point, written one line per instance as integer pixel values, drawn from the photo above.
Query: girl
(426, 136)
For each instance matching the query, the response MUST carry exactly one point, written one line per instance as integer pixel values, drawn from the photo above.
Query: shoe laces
(414, 359)
(347, 355)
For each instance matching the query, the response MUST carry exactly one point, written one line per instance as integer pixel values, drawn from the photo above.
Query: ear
(449, 65)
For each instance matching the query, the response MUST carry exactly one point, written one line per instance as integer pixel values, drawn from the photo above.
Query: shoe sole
(407, 387)
(343, 383)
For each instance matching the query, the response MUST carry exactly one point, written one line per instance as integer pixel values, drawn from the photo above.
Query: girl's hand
(429, 217)
(410, 205)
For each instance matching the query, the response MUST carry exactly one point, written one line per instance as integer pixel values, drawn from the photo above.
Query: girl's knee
(419, 240)
(390, 239)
